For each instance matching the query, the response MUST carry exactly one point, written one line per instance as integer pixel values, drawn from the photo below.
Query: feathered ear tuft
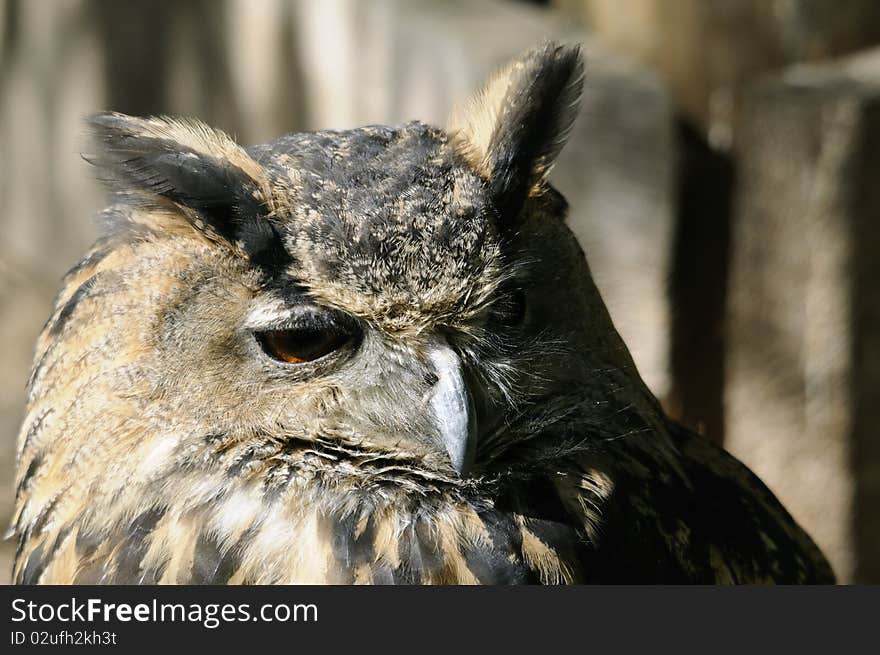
(514, 128)
(198, 168)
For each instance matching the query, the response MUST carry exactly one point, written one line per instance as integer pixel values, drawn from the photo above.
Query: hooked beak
(453, 408)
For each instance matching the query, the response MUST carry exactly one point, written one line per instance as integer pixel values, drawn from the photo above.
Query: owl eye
(303, 344)
(510, 308)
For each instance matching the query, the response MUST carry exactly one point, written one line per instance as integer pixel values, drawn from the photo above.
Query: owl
(364, 356)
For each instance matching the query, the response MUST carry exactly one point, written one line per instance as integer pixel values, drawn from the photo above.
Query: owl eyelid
(299, 316)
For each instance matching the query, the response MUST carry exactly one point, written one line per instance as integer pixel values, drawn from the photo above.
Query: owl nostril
(431, 378)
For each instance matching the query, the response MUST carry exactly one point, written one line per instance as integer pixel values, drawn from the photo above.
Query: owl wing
(699, 516)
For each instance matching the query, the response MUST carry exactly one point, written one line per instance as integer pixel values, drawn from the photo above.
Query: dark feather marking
(246, 457)
(350, 551)
(216, 437)
(43, 517)
(340, 531)
(59, 541)
(207, 558)
(227, 199)
(412, 565)
(37, 370)
(562, 538)
(360, 549)
(537, 115)
(342, 537)
(264, 247)
(69, 307)
(231, 560)
(96, 255)
(427, 546)
(33, 430)
(24, 536)
(127, 568)
(87, 544)
(34, 568)
(32, 468)
(91, 570)
(406, 575)
(162, 166)
(501, 562)
(419, 554)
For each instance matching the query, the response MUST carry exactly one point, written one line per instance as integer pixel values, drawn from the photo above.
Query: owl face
(363, 305)
(372, 287)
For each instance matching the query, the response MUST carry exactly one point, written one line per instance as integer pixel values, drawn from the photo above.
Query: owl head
(385, 306)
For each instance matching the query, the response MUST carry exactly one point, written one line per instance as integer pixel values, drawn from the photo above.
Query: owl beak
(453, 409)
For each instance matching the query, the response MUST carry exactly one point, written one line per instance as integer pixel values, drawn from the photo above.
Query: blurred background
(724, 178)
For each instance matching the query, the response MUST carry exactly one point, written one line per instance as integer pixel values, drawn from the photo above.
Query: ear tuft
(512, 130)
(198, 168)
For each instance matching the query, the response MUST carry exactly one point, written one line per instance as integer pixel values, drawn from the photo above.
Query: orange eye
(299, 346)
